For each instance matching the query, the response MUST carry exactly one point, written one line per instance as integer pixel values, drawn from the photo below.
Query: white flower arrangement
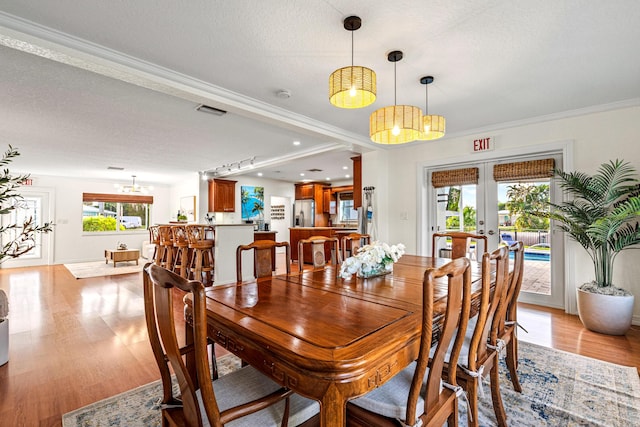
(369, 258)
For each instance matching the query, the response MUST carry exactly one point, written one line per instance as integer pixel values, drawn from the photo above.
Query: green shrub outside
(99, 223)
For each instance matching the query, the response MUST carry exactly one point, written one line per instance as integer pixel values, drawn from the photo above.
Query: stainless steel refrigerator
(304, 213)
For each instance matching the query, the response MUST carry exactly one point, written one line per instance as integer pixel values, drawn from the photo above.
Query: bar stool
(154, 239)
(201, 246)
(165, 256)
(180, 250)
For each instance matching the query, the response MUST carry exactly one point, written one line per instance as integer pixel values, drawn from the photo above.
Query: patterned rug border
(560, 388)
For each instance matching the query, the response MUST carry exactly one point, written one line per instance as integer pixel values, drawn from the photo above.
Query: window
(346, 212)
(115, 213)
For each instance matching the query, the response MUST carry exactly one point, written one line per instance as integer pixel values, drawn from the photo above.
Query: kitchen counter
(299, 233)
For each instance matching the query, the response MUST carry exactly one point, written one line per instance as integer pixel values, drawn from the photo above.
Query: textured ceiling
(126, 76)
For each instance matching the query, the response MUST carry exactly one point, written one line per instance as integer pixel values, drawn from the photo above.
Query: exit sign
(486, 143)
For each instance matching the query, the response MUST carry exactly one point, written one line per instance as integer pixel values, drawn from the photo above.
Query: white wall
(271, 187)
(70, 244)
(597, 138)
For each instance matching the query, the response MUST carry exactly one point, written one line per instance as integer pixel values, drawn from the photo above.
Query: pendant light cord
(426, 100)
(395, 83)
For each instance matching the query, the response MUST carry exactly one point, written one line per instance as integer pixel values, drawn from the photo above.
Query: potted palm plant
(17, 238)
(602, 216)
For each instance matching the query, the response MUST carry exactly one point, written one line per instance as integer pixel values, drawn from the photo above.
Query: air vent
(211, 110)
(314, 170)
(115, 168)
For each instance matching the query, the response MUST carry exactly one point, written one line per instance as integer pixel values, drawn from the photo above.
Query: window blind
(116, 198)
(453, 177)
(519, 171)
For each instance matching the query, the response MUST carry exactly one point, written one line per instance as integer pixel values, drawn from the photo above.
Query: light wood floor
(74, 342)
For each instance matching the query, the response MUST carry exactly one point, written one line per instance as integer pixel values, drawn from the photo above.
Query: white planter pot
(607, 314)
(4, 341)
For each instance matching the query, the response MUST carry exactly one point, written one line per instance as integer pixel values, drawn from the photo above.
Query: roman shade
(453, 177)
(520, 171)
(116, 198)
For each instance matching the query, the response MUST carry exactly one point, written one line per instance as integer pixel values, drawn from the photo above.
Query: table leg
(332, 408)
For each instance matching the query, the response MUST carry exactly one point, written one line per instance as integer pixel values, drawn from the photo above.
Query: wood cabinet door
(222, 195)
(304, 191)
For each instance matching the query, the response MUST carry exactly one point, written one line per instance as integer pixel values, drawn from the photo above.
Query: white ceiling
(92, 84)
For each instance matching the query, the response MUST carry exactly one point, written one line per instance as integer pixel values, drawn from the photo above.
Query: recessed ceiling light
(259, 173)
(301, 174)
(296, 142)
(347, 176)
(345, 167)
(328, 179)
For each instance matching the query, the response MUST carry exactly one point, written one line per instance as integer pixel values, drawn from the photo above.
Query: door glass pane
(26, 208)
(516, 201)
(456, 212)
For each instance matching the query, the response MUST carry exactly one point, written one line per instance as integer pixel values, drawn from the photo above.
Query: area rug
(559, 389)
(83, 270)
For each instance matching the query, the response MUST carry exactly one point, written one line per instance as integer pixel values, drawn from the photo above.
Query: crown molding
(30, 37)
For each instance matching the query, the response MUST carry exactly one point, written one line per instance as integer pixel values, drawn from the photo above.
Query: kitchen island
(299, 233)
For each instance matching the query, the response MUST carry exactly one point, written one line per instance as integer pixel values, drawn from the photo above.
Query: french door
(499, 209)
(34, 204)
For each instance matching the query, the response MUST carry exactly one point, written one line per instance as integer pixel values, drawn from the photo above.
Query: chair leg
(512, 363)
(472, 396)
(496, 398)
(452, 421)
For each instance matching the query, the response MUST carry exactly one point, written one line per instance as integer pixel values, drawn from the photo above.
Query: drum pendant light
(433, 127)
(354, 86)
(397, 124)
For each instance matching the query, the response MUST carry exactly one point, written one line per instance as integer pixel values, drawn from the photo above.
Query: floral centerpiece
(372, 260)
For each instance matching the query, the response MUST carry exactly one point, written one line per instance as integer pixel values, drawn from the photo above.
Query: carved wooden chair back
(180, 250)
(166, 246)
(461, 245)
(262, 257)
(318, 245)
(428, 402)
(245, 393)
(508, 322)
(483, 348)
(351, 242)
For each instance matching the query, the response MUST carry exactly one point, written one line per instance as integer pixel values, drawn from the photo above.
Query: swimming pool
(534, 256)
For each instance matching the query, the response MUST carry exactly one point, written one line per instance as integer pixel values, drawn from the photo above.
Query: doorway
(495, 198)
(35, 204)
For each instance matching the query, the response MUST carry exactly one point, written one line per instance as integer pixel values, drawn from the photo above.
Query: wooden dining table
(327, 338)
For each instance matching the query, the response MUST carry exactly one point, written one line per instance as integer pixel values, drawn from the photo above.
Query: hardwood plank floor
(74, 342)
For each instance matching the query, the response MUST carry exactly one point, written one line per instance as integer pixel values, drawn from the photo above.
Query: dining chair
(507, 328)
(245, 396)
(351, 242)
(417, 395)
(262, 257)
(480, 350)
(461, 245)
(317, 251)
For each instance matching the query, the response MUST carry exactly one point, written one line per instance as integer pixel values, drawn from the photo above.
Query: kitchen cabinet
(222, 195)
(329, 201)
(357, 181)
(304, 191)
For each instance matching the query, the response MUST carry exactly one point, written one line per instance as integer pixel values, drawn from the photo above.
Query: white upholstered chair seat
(390, 399)
(247, 384)
(463, 360)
